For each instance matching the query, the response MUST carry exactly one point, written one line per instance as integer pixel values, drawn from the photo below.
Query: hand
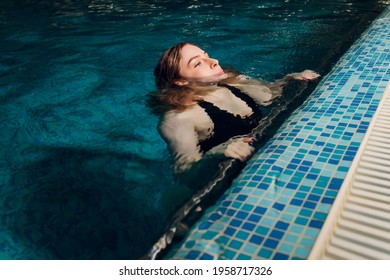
(240, 149)
(307, 75)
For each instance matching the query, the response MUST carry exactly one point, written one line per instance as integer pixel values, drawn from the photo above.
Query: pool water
(83, 171)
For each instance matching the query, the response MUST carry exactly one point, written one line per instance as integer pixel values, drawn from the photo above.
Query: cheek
(197, 72)
(191, 73)
(200, 72)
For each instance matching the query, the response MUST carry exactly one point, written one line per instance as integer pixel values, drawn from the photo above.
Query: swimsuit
(228, 125)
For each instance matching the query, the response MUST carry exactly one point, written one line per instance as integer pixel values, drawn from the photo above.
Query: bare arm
(265, 93)
(182, 140)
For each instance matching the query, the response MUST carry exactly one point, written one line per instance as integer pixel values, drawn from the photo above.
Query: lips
(220, 73)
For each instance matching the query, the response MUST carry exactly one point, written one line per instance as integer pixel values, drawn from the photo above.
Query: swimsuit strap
(244, 97)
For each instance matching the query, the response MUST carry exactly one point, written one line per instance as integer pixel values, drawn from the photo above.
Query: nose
(213, 63)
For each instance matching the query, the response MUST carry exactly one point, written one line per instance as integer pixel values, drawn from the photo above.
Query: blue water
(83, 172)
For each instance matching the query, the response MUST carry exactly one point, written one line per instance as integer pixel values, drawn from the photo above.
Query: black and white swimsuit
(226, 124)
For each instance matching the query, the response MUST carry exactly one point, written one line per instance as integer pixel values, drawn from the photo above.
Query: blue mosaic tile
(206, 257)
(301, 253)
(286, 248)
(235, 223)
(277, 234)
(301, 221)
(235, 244)
(276, 208)
(223, 240)
(280, 256)
(242, 235)
(256, 239)
(248, 226)
(208, 235)
(271, 243)
(230, 231)
(243, 257)
(262, 230)
(282, 225)
(229, 254)
(250, 249)
(265, 253)
(192, 255)
(316, 224)
(291, 238)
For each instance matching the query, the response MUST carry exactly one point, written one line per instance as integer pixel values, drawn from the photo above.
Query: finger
(249, 139)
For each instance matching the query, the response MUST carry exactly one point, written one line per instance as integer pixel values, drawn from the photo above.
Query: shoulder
(186, 115)
(187, 118)
(258, 91)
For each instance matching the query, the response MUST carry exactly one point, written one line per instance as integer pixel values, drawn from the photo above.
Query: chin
(223, 76)
(212, 79)
(220, 78)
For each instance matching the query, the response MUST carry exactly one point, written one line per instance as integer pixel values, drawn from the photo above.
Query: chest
(225, 105)
(225, 100)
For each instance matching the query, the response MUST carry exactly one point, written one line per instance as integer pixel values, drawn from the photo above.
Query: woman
(208, 112)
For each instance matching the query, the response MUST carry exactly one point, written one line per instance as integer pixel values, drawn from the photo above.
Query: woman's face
(197, 66)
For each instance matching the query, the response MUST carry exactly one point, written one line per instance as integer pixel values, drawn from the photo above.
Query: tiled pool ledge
(276, 208)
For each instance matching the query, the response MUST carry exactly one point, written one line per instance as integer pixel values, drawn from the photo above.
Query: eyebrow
(194, 57)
